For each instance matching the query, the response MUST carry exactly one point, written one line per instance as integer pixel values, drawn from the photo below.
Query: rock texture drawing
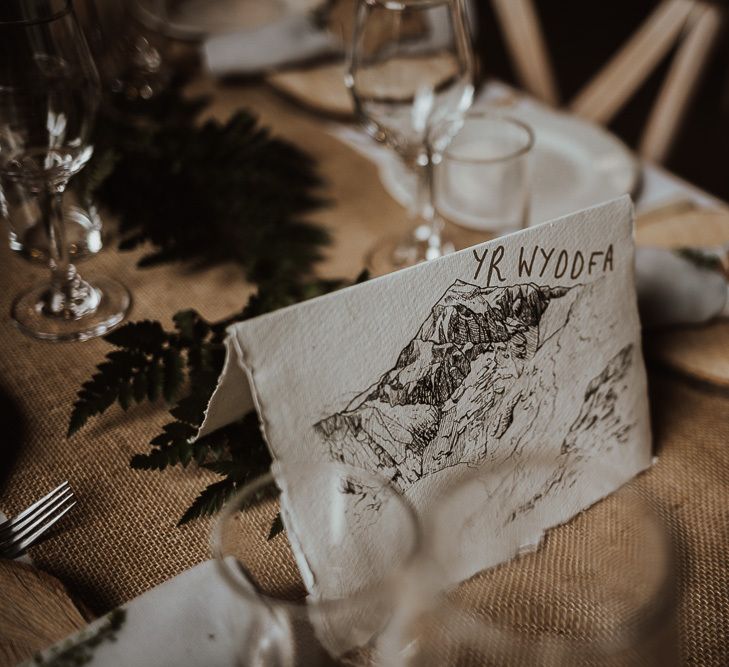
(475, 383)
(599, 427)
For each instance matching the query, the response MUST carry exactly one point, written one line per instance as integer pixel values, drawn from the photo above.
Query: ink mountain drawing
(478, 381)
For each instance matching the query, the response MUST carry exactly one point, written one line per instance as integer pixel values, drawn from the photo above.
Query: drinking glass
(357, 558)
(124, 40)
(49, 91)
(599, 591)
(482, 178)
(411, 68)
(27, 233)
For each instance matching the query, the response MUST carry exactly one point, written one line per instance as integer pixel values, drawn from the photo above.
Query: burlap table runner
(122, 540)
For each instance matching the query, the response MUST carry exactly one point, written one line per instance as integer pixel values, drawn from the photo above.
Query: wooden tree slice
(683, 225)
(701, 352)
(322, 88)
(319, 89)
(37, 612)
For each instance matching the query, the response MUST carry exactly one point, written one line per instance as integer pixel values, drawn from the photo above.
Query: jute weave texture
(122, 540)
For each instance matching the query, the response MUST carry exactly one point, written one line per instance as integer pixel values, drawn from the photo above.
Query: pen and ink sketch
(476, 383)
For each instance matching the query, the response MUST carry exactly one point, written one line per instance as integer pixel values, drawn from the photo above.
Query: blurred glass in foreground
(600, 591)
(279, 625)
(49, 93)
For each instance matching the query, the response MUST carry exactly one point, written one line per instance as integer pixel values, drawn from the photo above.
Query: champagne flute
(411, 68)
(49, 92)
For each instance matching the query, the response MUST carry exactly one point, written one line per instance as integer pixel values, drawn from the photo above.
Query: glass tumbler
(599, 591)
(355, 538)
(482, 176)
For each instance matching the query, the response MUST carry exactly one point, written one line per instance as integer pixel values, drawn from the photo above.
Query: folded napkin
(673, 290)
(294, 38)
(192, 619)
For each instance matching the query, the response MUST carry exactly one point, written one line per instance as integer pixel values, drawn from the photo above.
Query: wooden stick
(683, 78)
(602, 98)
(525, 41)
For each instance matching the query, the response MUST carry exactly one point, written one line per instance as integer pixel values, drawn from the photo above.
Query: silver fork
(19, 533)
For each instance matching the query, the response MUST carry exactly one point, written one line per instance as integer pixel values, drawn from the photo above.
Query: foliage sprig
(199, 194)
(207, 193)
(145, 349)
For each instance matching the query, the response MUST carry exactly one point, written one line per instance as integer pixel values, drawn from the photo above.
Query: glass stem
(432, 225)
(69, 296)
(56, 229)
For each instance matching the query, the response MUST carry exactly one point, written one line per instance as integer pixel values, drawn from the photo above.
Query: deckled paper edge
(232, 398)
(245, 369)
(320, 625)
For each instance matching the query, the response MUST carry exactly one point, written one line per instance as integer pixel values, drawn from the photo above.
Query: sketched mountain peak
(486, 314)
(466, 322)
(459, 367)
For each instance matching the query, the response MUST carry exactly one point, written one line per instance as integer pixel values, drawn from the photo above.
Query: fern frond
(210, 501)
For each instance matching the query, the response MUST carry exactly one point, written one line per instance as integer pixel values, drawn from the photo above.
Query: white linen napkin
(672, 290)
(193, 619)
(294, 38)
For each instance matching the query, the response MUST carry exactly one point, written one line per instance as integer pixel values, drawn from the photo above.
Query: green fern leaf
(163, 457)
(191, 409)
(174, 376)
(155, 380)
(174, 432)
(126, 395)
(81, 413)
(180, 452)
(277, 526)
(106, 386)
(191, 328)
(146, 336)
(210, 501)
(139, 386)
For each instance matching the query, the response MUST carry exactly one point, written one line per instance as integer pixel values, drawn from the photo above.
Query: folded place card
(518, 361)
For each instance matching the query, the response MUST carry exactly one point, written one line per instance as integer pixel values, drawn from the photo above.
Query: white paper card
(519, 358)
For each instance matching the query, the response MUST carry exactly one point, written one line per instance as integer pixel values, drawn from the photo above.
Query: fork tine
(10, 523)
(31, 522)
(30, 519)
(18, 548)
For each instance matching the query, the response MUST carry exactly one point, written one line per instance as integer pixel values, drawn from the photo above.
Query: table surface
(122, 538)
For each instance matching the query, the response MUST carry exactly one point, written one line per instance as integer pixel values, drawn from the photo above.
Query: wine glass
(355, 537)
(124, 41)
(411, 67)
(27, 233)
(49, 92)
